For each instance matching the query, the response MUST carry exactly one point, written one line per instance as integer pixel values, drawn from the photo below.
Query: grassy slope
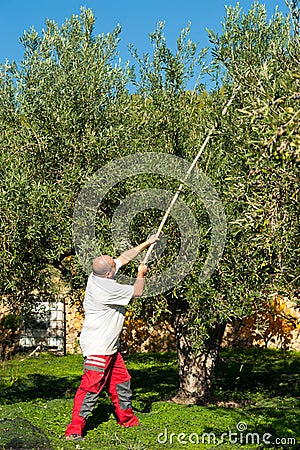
(257, 389)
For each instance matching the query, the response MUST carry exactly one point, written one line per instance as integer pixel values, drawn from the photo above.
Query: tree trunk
(196, 369)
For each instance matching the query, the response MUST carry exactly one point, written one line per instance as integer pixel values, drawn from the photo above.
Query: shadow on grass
(152, 378)
(155, 378)
(101, 414)
(270, 373)
(39, 386)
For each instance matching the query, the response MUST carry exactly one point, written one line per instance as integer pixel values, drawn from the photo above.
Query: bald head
(104, 266)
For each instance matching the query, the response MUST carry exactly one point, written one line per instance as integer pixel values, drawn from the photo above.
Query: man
(104, 308)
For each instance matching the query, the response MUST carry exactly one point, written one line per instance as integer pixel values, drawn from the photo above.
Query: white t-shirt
(104, 311)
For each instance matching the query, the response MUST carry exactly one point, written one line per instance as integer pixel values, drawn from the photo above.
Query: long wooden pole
(181, 186)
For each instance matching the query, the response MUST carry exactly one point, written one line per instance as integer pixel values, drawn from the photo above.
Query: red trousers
(103, 371)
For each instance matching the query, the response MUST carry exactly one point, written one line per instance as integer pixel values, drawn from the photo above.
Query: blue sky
(137, 19)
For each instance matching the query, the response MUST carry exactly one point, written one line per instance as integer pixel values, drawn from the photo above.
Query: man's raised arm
(132, 253)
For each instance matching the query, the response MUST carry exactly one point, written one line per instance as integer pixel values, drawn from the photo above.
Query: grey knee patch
(124, 394)
(88, 404)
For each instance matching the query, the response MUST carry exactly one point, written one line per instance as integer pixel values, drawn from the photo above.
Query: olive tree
(252, 161)
(61, 112)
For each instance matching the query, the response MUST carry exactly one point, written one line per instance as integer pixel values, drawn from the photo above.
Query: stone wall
(74, 321)
(137, 336)
(278, 326)
(9, 332)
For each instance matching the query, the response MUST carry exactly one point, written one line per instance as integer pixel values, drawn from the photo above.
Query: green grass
(257, 389)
